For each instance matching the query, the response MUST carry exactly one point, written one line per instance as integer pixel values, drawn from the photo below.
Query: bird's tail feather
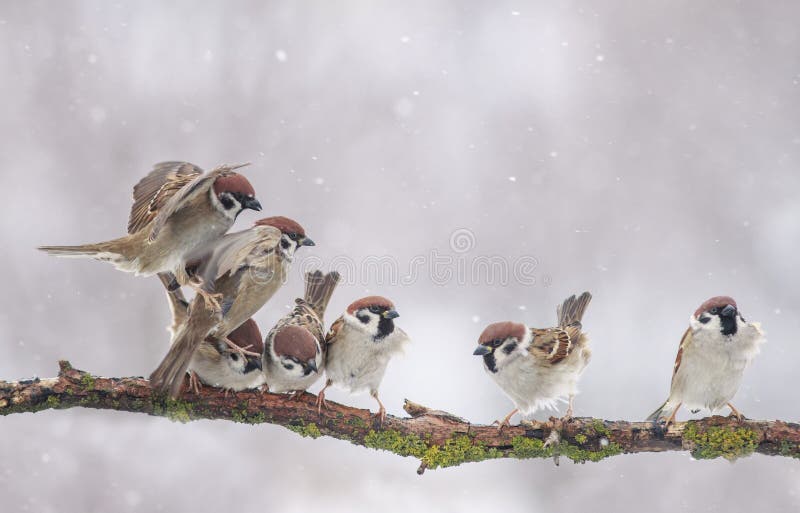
(168, 377)
(572, 309)
(84, 251)
(319, 289)
(179, 308)
(653, 417)
(110, 250)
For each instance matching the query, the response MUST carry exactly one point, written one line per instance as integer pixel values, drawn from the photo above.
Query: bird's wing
(333, 332)
(686, 339)
(304, 315)
(552, 345)
(199, 185)
(154, 190)
(235, 251)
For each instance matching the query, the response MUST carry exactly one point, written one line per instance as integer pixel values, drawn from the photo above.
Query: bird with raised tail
(244, 269)
(294, 356)
(177, 208)
(359, 346)
(537, 367)
(713, 354)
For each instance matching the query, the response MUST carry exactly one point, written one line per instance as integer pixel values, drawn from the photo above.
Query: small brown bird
(293, 350)
(537, 367)
(359, 346)
(176, 210)
(215, 363)
(714, 352)
(245, 268)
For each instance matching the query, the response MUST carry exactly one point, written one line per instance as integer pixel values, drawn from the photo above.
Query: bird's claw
(194, 383)
(241, 350)
(500, 424)
(738, 416)
(211, 300)
(321, 402)
(381, 416)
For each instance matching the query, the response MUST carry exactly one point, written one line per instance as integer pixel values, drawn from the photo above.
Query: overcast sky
(647, 153)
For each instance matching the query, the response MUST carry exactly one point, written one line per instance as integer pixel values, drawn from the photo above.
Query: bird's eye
(375, 309)
(288, 366)
(235, 357)
(714, 311)
(497, 343)
(293, 236)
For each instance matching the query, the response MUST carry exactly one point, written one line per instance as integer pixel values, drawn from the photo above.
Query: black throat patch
(490, 362)
(728, 325)
(385, 327)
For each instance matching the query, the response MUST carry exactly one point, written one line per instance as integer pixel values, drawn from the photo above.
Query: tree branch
(437, 438)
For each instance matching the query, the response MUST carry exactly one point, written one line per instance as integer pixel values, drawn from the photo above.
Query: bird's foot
(321, 402)
(210, 299)
(736, 413)
(194, 382)
(505, 422)
(241, 350)
(381, 415)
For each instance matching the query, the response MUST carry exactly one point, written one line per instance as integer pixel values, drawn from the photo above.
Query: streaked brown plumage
(176, 209)
(246, 268)
(215, 362)
(294, 348)
(537, 366)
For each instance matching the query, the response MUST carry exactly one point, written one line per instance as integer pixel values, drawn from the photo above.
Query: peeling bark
(437, 438)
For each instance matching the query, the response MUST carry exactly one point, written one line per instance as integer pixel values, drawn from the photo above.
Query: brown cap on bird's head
(501, 331)
(246, 335)
(715, 302)
(234, 183)
(284, 224)
(366, 302)
(295, 341)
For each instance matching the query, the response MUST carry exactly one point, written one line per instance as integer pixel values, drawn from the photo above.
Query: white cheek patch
(237, 365)
(229, 213)
(295, 372)
(713, 324)
(288, 251)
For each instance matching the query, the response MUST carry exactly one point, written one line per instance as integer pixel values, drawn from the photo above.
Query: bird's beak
(253, 363)
(252, 204)
(307, 242)
(390, 314)
(313, 365)
(481, 351)
(728, 311)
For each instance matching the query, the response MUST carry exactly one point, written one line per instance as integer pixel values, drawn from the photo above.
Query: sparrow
(359, 346)
(215, 363)
(714, 351)
(293, 350)
(245, 269)
(177, 208)
(536, 367)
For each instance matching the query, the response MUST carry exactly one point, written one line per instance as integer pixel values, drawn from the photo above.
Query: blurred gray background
(647, 152)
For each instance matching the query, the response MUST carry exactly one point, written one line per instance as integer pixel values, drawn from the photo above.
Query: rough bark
(436, 438)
